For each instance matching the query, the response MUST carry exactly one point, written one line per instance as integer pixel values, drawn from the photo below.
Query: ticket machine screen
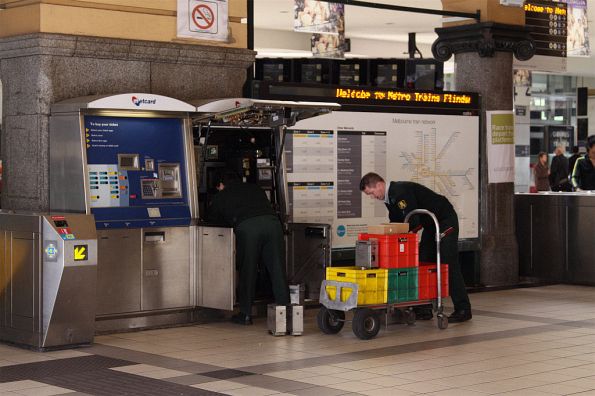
(136, 170)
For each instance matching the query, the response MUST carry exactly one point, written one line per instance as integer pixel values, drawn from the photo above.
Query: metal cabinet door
(309, 249)
(216, 268)
(24, 281)
(118, 271)
(167, 268)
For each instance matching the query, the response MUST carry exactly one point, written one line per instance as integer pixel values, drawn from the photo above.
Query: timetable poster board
(337, 149)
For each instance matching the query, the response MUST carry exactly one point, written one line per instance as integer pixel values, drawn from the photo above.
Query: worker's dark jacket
(237, 202)
(583, 176)
(407, 196)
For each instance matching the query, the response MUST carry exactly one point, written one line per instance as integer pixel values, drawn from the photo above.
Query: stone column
(40, 69)
(483, 64)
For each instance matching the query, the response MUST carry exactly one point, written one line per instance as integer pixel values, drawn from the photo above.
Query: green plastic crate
(403, 284)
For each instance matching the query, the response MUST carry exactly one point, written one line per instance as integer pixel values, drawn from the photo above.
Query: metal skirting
(123, 323)
(555, 236)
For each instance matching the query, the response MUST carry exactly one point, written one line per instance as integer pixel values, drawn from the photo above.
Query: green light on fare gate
(400, 96)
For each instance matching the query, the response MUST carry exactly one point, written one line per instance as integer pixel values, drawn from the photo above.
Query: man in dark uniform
(402, 198)
(559, 171)
(259, 238)
(583, 176)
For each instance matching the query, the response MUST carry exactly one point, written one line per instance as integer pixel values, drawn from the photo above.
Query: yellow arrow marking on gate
(80, 253)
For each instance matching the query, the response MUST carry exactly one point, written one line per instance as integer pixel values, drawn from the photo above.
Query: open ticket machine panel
(133, 169)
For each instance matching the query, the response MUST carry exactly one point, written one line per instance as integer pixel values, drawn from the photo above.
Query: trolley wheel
(330, 321)
(366, 323)
(442, 321)
(410, 317)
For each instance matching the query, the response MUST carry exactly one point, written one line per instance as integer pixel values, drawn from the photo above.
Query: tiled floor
(531, 341)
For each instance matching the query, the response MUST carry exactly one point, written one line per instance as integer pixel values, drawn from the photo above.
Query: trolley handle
(416, 229)
(446, 232)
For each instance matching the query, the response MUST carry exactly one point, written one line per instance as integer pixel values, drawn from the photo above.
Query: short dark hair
(369, 180)
(590, 141)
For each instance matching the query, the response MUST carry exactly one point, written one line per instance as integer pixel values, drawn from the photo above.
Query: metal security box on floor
(48, 274)
(128, 160)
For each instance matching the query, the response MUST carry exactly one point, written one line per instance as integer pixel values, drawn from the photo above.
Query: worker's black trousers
(260, 240)
(449, 254)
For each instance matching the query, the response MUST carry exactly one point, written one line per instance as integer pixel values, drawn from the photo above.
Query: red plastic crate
(407, 244)
(428, 281)
(395, 250)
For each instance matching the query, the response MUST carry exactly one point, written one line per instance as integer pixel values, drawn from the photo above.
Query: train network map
(334, 151)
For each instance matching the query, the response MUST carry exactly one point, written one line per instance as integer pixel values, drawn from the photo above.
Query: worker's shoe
(460, 315)
(241, 318)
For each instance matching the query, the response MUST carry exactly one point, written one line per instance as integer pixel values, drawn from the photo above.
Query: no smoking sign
(203, 16)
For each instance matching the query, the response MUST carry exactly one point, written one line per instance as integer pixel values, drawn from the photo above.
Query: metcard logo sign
(141, 101)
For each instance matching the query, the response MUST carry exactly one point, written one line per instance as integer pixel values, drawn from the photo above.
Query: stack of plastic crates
(398, 254)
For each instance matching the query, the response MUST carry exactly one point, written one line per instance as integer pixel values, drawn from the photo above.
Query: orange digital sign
(402, 96)
(529, 7)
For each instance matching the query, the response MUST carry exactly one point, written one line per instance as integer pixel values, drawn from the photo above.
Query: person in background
(572, 160)
(559, 171)
(403, 197)
(541, 173)
(583, 175)
(259, 238)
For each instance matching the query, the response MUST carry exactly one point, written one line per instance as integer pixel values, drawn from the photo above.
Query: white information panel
(326, 157)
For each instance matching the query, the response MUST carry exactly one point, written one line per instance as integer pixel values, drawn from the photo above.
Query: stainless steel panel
(48, 295)
(69, 283)
(167, 268)
(295, 319)
(277, 319)
(309, 253)
(119, 271)
(24, 267)
(216, 267)
(169, 177)
(67, 174)
(366, 254)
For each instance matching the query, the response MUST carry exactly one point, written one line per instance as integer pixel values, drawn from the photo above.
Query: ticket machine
(247, 136)
(128, 160)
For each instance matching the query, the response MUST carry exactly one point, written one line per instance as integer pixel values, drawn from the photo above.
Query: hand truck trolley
(366, 318)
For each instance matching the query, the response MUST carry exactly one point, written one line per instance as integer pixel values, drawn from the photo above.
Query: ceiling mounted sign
(327, 23)
(203, 19)
(314, 16)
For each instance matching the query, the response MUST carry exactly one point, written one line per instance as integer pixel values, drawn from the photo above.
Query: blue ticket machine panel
(136, 173)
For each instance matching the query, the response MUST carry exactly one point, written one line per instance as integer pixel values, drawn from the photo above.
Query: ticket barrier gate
(48, 273)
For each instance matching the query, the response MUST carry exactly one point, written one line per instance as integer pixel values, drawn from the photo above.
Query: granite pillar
(483, 64)
(37, 70)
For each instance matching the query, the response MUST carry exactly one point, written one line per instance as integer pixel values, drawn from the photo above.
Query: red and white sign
(203, 19)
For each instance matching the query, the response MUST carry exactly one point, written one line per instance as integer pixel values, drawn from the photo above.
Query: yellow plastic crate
(373, 284)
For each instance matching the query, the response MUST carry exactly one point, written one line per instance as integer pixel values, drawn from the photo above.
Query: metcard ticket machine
(128, 160)
(48, 271)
